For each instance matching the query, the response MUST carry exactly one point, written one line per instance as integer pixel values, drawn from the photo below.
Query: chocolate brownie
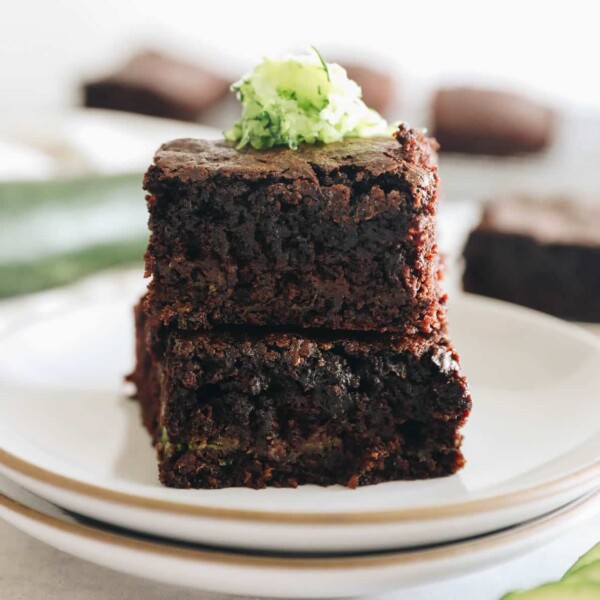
(241, 407)
(541, 254)
(157, 85)
(377, 86)
(340, 236)
(480, 121)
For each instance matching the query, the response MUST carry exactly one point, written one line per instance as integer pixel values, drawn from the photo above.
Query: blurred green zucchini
(55, 232)
(60, 269)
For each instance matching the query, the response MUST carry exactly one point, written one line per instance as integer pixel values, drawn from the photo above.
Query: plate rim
(436, 512)
(321, 563)
(74, 295)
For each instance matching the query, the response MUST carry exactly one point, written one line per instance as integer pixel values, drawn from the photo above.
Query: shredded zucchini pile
(302, 99)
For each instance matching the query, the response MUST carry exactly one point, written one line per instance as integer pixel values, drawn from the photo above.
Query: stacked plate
(70, 438)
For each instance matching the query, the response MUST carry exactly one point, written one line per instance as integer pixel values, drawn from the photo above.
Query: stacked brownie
(294, 331)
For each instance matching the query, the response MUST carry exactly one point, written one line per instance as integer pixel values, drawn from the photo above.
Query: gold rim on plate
(579, 478)
(320, 563)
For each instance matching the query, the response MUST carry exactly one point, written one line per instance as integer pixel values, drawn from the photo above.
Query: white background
(48, 46)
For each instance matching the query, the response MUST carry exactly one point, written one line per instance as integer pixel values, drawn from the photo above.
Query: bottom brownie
(281, 409)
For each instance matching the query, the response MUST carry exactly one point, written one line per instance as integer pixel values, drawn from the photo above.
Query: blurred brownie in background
(541, 254)
(481, 121)
(157, 85)
(377, 86)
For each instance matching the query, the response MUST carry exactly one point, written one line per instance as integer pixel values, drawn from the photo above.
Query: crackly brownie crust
(241, 407)
(540, 254)
(338, 236)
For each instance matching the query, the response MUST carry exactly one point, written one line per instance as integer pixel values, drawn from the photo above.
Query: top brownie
(338, 236)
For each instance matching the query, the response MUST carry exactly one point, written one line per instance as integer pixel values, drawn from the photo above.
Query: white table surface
(30, 570)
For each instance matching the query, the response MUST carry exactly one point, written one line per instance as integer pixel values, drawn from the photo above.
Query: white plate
(68, 433)
(82, 141)
(277, 576)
